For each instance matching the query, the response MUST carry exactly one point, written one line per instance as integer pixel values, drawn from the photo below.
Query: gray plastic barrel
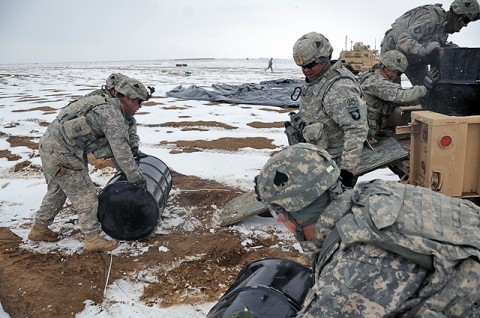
(457, 92)
(269, 288)
(129, 213)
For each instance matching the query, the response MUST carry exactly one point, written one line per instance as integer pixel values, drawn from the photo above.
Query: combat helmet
(132, 88)
(468, 8)
(311, 47)
(296, 176)
(394, 60)
(114, 79)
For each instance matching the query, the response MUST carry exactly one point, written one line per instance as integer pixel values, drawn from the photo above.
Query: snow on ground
(26, 87)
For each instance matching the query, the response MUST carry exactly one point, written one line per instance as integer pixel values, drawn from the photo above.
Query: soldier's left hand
(431, 78)
(138, 154)
(141, 184)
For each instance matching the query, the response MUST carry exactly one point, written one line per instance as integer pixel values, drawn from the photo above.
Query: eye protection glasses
(304, 215)
(310, 65)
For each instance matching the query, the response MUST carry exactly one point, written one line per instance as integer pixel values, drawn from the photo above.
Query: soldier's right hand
(141, 183)
(428, 49)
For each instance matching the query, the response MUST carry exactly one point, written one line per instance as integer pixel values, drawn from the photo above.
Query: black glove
(432, 77)
(141, 184)
(451, 44)
(347, 178)
(138, 154)
(428, 49)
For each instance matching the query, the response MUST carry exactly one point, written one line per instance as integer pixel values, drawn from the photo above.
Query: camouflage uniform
(335, 115)
(361, 274)
(383, 96)
(382, 249)
(413, 30)
(102, 129)
(112, 80)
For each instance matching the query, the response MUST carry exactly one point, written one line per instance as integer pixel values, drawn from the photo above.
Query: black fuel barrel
(457, 92)
(129, 213)
(268, 288)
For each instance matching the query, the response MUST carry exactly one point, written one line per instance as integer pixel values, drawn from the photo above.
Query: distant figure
(421, 31)
(270, 65)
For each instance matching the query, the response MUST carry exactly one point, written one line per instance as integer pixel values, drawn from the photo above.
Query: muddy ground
(57, 285)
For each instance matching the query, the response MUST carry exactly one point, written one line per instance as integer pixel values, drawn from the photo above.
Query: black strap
(330, 242)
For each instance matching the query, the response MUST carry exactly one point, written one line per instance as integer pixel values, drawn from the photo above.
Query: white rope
(108, 274)
(206, 190)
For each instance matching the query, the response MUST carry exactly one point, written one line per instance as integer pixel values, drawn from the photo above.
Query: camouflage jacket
(382, 96)
(407, 217)
(335, 115)
(416, 28)
(96, 124)
(134, 139)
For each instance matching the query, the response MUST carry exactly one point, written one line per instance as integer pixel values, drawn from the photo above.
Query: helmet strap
(324, 62)
(454, 23)
(127, 107)
(389, 77)
(336, 190)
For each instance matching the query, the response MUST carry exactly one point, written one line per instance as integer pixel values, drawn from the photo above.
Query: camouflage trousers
(67, 177)
(362, 281)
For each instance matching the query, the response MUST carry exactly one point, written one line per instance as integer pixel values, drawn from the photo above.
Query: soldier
(419, 33)
(381, 249)
(109, 90)
(96, 124)
(270, 65)
(382, 94)
(331, 105)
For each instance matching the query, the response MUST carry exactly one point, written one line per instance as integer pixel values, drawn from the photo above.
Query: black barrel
(269, 288)
(128, 213)
(457, 92)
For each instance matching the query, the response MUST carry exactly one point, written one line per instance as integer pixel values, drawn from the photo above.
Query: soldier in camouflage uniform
(331, 104)
(382, 249)
(419, 33)
(109, 90)
(382, 94)
(96, 124)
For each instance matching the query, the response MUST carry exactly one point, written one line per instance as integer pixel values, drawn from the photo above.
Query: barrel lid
(127, 212)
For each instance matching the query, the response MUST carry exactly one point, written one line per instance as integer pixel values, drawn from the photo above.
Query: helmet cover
(394, 60)
(297, 176)
(310, 47)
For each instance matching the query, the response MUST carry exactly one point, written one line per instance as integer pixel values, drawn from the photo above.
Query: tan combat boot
(42, 233)
(96, 243)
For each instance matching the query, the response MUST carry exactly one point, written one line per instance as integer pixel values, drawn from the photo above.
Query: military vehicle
(360, 58)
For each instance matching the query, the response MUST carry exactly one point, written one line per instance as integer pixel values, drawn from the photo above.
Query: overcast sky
(111, 30)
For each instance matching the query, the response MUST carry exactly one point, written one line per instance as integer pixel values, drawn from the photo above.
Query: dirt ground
(56, 285)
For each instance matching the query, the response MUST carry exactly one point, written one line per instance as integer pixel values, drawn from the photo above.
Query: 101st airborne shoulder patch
(353, 109)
